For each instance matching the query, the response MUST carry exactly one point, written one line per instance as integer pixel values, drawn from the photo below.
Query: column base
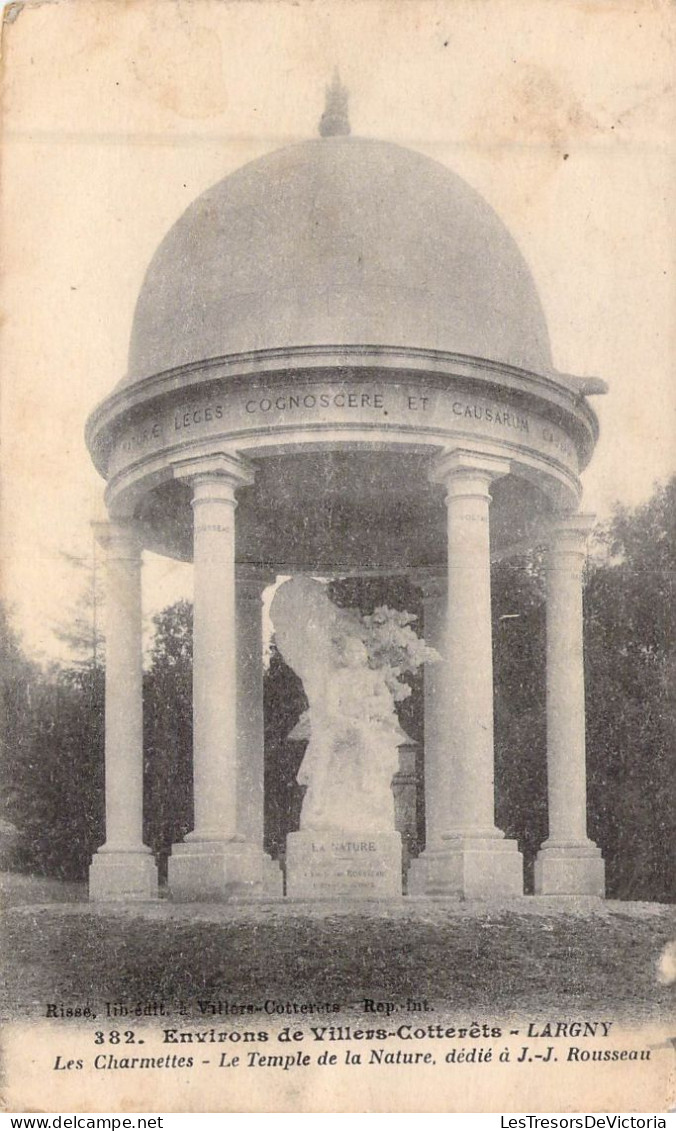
(570, 869)
(213, 871)
(468, 868)
(122, 876)
(335, 865)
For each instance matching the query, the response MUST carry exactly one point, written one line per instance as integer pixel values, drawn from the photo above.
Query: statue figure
(352, 753)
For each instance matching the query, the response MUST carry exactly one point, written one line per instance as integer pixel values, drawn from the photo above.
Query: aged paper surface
(116, 116)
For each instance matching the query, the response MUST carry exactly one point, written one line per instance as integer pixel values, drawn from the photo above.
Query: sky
(116, 115)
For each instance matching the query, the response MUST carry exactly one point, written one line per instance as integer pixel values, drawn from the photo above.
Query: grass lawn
(465, 959)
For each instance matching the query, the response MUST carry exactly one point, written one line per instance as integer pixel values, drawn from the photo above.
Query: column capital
(221, 471)
(465, 472)
(120, 538)
(569, 533)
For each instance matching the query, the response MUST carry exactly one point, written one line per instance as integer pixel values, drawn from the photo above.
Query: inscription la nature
(347, 846)
(185, 421)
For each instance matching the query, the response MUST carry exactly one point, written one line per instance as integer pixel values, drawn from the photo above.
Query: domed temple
(340, 366)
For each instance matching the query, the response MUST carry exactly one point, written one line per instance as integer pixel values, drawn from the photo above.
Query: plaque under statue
(347, 845)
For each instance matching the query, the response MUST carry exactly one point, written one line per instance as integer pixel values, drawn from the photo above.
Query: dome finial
(335, 121)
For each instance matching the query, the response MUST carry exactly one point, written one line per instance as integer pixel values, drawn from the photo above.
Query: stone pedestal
(469, 868)
(569, 869)
(216, 871)
(334, 865)
(121, 876)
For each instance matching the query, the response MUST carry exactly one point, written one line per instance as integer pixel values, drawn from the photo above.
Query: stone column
(215, 860)
(249, 588)
(123, 868)
(466, 856)
(568, 862)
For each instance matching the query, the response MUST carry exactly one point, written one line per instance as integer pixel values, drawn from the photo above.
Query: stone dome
(338, 241)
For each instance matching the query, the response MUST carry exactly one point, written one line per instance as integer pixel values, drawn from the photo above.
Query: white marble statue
(352, 754)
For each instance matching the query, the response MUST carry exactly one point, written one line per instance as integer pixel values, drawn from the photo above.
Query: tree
(631, 664)
(630, 667)
(168, 809)
(65, 773)
(18, 692)
(284, 702)
(518, 613)
(82, 628)
(52, 761)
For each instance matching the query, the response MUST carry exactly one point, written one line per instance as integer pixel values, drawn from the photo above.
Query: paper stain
(184, 71)
(12, 13)
(532, 107)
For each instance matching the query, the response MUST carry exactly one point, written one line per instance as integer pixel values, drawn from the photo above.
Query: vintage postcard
(338, 509)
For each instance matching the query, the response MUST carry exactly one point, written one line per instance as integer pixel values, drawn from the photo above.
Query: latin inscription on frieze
(392, 406)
